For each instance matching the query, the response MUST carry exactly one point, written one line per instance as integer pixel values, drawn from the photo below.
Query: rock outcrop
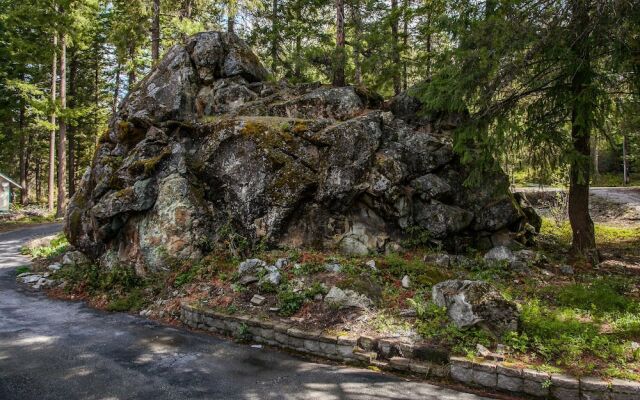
(204, 151)
(471, 303)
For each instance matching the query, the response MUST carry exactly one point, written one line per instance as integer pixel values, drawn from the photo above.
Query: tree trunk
(405, 43)
(155, 32)
(395, 48)
(231, 16)
(338, 65)
(583, 244)
(38, 183)
(625, 158)
(357, 21)
(596, 166)
(116, 91)
(52, 137)
(187, 9)
(71, 130)
(24, 193)
(132, 71)
(297, 70)
(274, 36)
(62, 142)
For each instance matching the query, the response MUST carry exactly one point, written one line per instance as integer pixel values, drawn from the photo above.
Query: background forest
(548, 84)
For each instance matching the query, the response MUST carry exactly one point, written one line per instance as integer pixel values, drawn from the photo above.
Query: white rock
(406, 282)
(281, 263)
(273, 277)
(371, 264)
(482, 351)
(74, 258)
(54, 267)
(30, 279)
(257, 300)
(347, 298)
(333, 267)
(500, 253)
(472, 302)
(251, 265)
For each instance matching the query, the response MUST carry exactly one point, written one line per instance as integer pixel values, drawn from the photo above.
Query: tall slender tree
(155, 32)
(52, 135)
(62, 138)
(340, 56)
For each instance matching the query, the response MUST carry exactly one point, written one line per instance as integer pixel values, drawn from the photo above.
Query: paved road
(59, 350)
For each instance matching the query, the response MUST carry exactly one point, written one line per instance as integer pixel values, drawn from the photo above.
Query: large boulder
(471, 303)
(205, 153)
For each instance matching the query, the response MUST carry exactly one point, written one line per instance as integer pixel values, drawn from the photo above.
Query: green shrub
(604, 295)
(566, 337)
(420, 273)
(433, 323)
(23, 269)
(289, 302)
(416, 237)
(57, 247)
(132, 301)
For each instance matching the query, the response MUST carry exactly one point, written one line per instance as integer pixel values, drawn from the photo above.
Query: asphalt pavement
(52, 349)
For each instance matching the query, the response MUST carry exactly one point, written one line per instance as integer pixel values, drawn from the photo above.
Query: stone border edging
(393, 355)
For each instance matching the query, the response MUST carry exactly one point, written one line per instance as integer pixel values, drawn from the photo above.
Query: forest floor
(24, 217)
(574, 317)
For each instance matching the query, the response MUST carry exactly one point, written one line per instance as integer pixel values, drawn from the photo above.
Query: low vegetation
(585, 323)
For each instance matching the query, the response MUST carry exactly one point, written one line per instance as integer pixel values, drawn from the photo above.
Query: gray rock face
(347, 298)
(203, 150)
(500, 253)
(472, 303)
(74, 258)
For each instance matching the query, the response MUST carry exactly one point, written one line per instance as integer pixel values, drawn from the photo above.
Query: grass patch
(58, 246)
(23, 269)
(604, 234)
(123, 288)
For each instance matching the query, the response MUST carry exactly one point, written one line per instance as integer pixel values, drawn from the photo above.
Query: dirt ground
(613, 206)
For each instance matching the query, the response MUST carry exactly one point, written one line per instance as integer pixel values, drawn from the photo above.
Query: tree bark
(405, 44)
(187, 9)
(116, 91)
(71, 130)
(357, 24)
(38, 183)
(24, 192)
(338, 65)
(155, 33)
(274, 36)
(62, 142)
(596, 166)
(297, 70)
(231, 16)
(625, 158)
(583, 244)
(52, 137)
(132, 71)
(395, 48)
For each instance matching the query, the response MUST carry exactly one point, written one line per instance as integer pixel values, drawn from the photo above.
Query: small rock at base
(333, 267)
(406, 282)
(54, 267)
(371, 264)
(248, 279)
(483, 351)
(257, 300)
(566, 269)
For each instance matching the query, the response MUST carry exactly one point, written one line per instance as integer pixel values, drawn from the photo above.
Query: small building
(5, 192)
